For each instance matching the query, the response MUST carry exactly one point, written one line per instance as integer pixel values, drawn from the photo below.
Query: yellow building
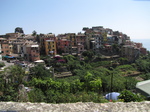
(50, 47)
(104, 37)
(72, 38)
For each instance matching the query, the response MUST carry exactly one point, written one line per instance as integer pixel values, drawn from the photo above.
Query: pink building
(139, 45)
(33, 53)
(62, 44)
(5, 48)
(80, 39)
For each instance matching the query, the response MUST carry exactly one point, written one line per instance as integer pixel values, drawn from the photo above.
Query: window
(49, 47)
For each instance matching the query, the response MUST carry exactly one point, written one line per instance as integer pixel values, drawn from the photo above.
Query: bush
(2, 64)
(36, 95)
(128, 96)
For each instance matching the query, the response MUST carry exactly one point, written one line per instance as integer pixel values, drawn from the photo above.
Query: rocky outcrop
(75, 107)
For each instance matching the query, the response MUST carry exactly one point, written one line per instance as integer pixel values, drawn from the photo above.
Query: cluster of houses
(102, 41)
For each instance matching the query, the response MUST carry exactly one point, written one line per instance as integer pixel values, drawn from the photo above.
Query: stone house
(130, 52)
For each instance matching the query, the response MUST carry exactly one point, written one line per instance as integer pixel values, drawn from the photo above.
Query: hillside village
(102, 41)
(77, 67)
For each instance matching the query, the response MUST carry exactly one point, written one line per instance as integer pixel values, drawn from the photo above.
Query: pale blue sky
(131, 17)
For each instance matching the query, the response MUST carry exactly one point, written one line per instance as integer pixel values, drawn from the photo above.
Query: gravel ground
(75, 107)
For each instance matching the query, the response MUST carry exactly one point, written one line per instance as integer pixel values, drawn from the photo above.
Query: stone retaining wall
(75, 107)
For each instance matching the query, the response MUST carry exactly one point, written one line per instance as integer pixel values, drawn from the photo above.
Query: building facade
(33, 53)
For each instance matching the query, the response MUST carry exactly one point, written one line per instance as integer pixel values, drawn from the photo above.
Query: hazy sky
(131, 17)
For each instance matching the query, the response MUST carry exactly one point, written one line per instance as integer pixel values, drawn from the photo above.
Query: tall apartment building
(5, 48)
(44, 38)
(50, 47)
(81, 43)
(62, 45)
(33, 52)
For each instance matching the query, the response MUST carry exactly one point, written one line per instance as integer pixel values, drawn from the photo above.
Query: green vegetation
(91, 79)
(128, 96)
(2, 64)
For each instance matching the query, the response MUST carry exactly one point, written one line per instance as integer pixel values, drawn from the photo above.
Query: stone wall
(75, 107)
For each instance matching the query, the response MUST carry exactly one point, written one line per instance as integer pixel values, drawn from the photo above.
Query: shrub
(2, 64)
(128, 96)
(36, 95)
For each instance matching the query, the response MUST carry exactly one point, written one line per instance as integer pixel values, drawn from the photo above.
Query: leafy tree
(76, 86)
(36, 95)
(88, 77)
(34, 33)
(96, 84)
(9, 94)
(79, 72)
(89, 54)
(72, 62)
(12, 77)
(51, 96)
(115, 82)
(69, 58)
(19, 30)
(65, 87)
(40, 72)
(74, 65)
(144, 65)
(39, 83)
(103, 71)
(14, 74)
